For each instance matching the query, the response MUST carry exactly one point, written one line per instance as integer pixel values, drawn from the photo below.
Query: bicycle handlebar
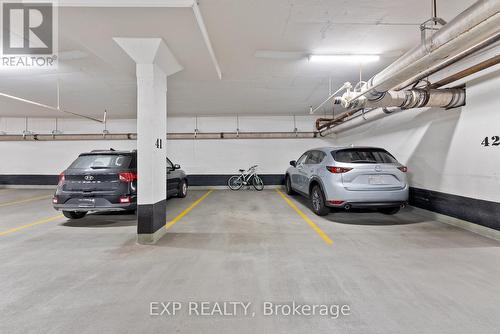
(253, 167)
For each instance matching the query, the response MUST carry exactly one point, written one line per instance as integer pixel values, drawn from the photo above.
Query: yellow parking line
(25, 200)
(185, 212)
(38, 222)
(307, 219)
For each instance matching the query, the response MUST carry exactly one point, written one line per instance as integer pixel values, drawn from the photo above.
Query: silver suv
(349, 177)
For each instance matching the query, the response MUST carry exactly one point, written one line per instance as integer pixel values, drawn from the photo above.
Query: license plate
(86, 202)
(375, 179)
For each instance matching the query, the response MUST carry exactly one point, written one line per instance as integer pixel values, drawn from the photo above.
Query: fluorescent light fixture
(343, 58)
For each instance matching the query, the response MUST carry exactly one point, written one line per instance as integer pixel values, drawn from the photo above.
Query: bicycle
(235, 182)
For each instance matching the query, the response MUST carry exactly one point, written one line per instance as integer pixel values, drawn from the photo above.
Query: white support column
(151, 152)
(154, 63)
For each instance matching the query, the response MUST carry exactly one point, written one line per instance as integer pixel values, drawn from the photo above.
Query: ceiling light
(343, 58)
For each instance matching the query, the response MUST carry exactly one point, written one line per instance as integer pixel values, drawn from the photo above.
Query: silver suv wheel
(318, 201)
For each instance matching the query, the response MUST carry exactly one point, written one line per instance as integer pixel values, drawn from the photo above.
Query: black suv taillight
(128, 177)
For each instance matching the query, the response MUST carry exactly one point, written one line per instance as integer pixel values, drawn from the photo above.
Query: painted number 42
(493, 141)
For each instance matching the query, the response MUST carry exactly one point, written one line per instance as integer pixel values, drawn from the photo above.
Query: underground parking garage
(265, 166)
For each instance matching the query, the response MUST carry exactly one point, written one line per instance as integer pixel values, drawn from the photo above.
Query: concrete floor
(399, 274)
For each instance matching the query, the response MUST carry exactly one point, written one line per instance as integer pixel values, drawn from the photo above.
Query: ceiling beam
(206, 38)
(152, 3)
(124, 3)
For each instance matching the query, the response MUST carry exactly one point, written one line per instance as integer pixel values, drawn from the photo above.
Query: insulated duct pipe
(396, 101)
(415, 98)
(473, 26)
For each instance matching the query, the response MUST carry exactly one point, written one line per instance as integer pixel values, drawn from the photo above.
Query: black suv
(107, 181)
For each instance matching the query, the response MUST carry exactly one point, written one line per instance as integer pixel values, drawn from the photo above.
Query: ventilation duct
(475, 28)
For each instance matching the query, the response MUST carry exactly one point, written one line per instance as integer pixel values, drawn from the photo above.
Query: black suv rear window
(363, 156)
(99, 161)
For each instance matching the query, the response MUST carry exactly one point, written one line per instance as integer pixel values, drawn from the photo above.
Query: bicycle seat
(241, 170)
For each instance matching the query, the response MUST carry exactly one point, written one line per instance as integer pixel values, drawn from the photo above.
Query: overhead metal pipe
(322, 124)
(332, 95)
(473, 29)
(468, 71)
(20, 99)
(449, 61)
(476, 24)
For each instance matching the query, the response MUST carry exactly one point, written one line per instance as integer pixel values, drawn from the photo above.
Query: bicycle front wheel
(235, 182)
(257, 183)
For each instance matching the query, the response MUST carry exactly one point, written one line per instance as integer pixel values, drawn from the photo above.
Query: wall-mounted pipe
(170, 136)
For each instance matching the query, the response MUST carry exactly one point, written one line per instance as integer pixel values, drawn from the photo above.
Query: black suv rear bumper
(74, 203)
(111, 207)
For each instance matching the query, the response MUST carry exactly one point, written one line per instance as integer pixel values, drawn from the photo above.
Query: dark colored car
(107, 181)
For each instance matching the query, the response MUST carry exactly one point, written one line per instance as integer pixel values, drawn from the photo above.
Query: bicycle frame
(247, 175)
(246, 178)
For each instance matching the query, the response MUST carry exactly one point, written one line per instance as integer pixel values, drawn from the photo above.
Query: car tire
(288, 186)
(74, 214)
(389, 211)
(182, 191)
(318, 201)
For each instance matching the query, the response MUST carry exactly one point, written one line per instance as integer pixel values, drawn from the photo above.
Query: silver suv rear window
(99, 161)
(363, 156)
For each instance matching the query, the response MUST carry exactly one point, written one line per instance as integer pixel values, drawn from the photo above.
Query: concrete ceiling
(95, 74)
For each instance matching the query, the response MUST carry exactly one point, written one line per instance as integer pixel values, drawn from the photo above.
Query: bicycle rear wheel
(257, 183)
(235, 182)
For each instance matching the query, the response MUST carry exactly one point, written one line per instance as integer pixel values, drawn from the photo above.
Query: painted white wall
(227, 156)
(16, 125)
(442, 148)
(195, 156)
